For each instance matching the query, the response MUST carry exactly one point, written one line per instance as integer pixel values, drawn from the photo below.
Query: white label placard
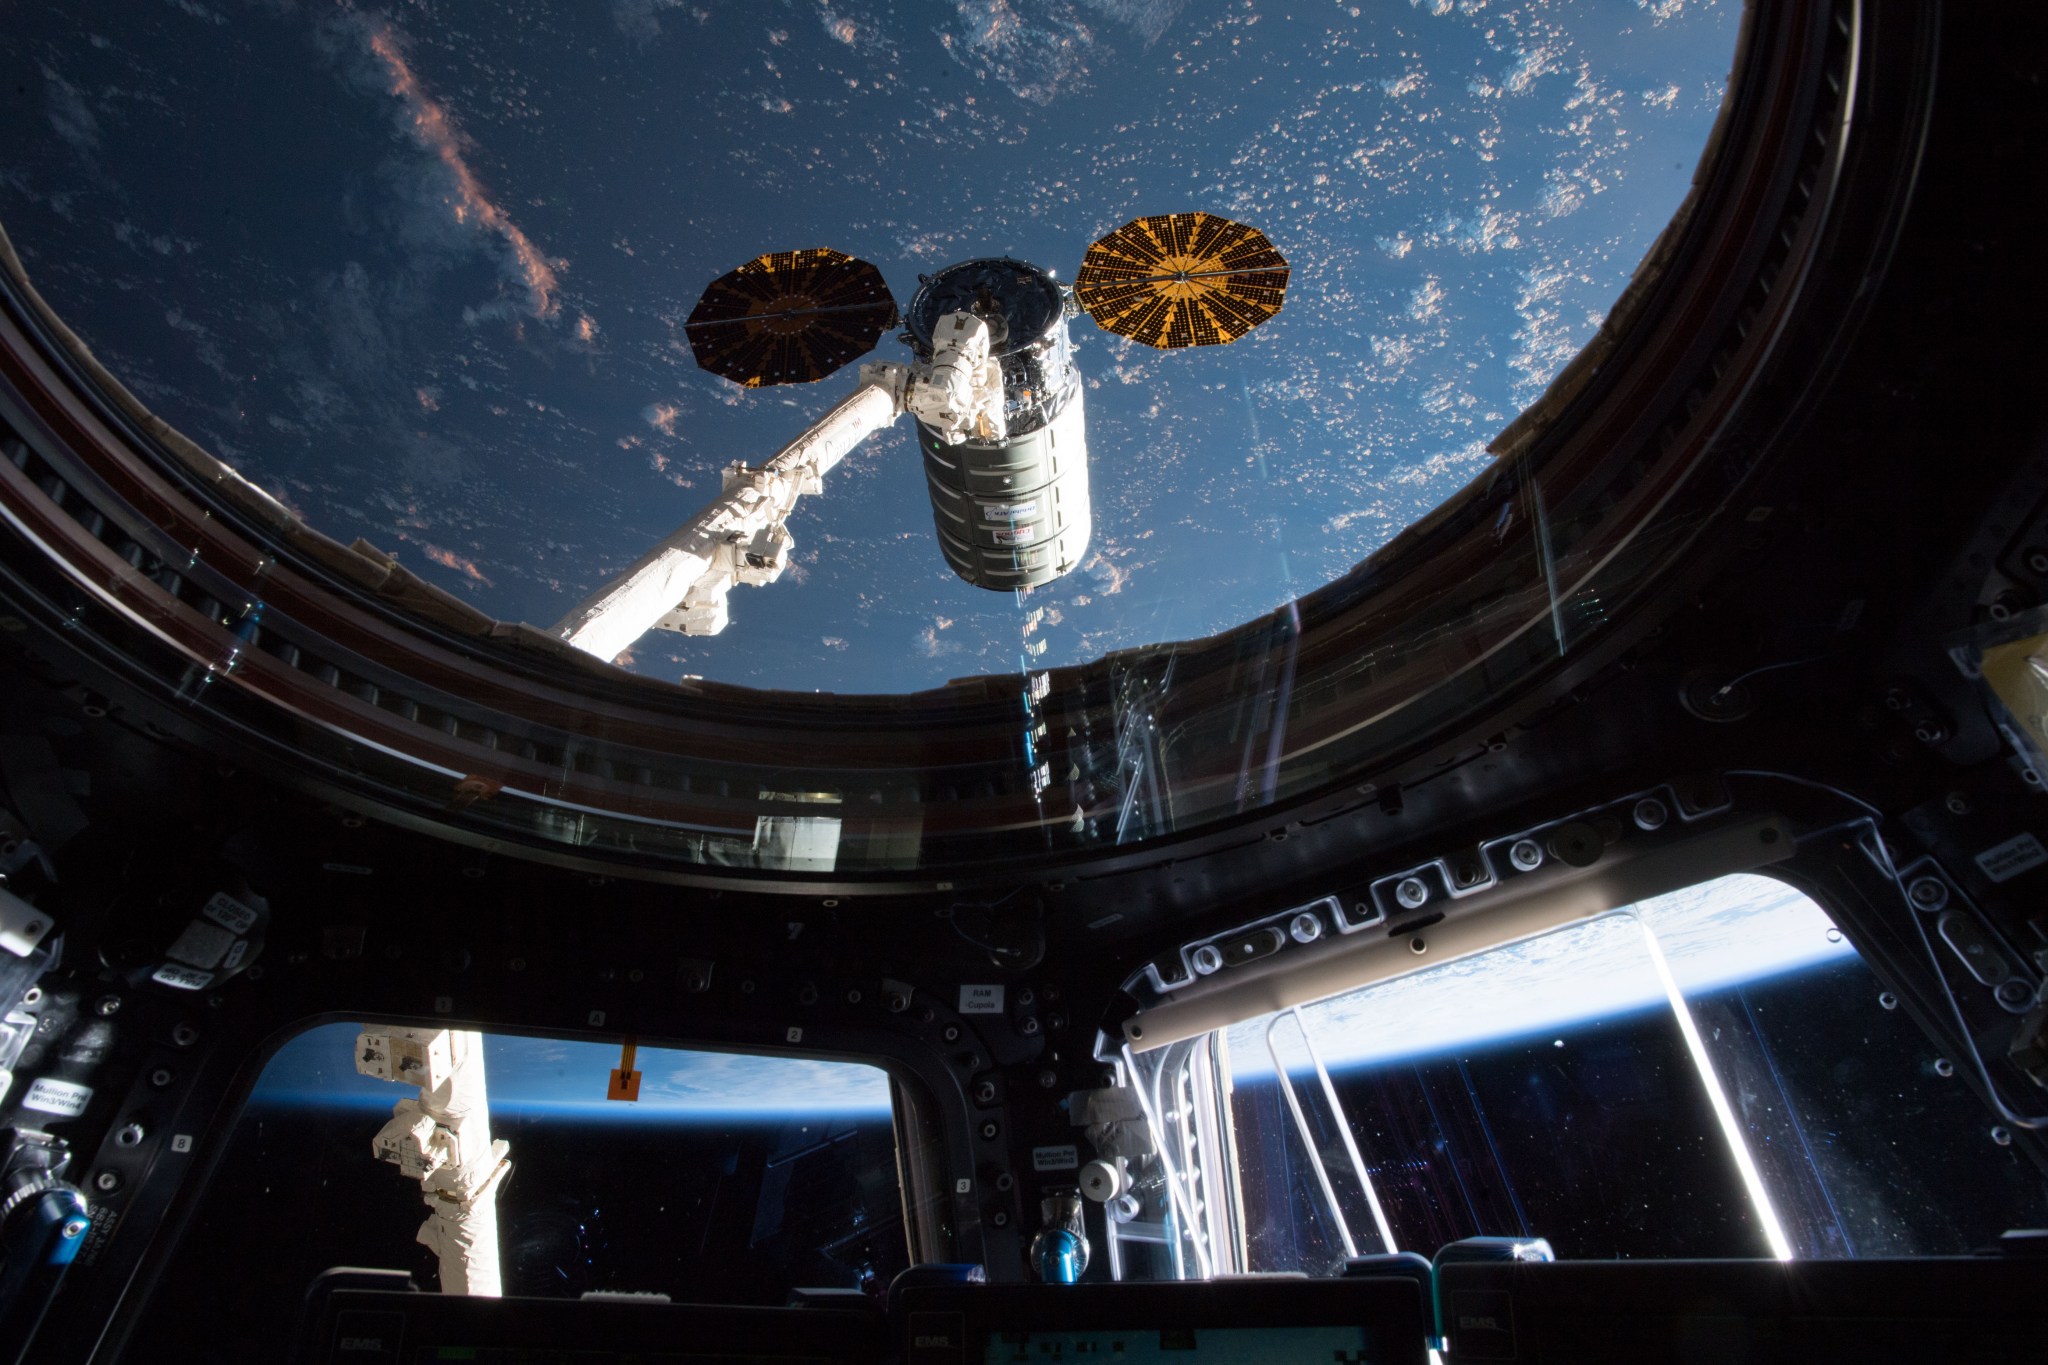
(229, 913)
(1065, 1158)
(2003, 862)
(981, 999)
(62, 1098)
(181, 978)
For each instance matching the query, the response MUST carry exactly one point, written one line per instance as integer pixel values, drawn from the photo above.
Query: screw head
(989, 1131)
(74, 1228)
(1305, 927)
(1526, 855)
(1650, 814)
(1207, 960)
(1958, 804)
(161, 1077)
(184, 1034)
(106, 1182)
(130, 1136)
(1928, 893)
(951, 1033)
(1048, 1079)
(1028, 1026)
(1887, 1001)
(985, 1092)
(1944, 1068)
(1411, 893)
(2002, 1136)
(2014, 994)
(1000, 1218)
(107, 1006)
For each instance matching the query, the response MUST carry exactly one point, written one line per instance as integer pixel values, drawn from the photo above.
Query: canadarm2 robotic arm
(742, 535)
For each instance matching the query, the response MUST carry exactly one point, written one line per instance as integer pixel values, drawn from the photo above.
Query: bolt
(1928, 893)
(1025, 998)
(1028, 1026)
(1207, 960)
(985, 1092)
(970, 1061)
(1958, 804)
(1930, 732)
(1650, 814)
(1000, 1218)
(1305, 927)
(1417, 946)
(1005, 1183)
(853, 997)
(989, 1131)
(107, 1006)
(2014, 994)
(162, 1077)
(951, 1033)
(1411, 893)
(106, 1182)
(185, 1034)
(1944, 1068)
(1887, 1001)
(74, 1228)
(2002, 1136)
(131, 1136)
(1526, 855)
(1048, 1079)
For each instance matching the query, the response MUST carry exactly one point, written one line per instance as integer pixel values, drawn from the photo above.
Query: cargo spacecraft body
(991, 386)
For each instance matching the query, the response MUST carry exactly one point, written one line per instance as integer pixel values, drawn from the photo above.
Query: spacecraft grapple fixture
(991, 387)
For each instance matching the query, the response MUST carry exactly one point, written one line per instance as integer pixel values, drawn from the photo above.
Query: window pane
(1547, 1089)
(731, 1180)
(1867, 1149)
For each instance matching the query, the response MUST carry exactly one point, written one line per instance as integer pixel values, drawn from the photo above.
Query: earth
(422, 272)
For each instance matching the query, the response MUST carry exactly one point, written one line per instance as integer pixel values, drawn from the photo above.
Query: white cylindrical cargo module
(1011, 513)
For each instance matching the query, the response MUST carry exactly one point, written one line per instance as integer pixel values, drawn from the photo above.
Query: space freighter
(991, 386)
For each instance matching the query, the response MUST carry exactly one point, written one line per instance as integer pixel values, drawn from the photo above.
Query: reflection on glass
(1547, 1089)
(732, 1180)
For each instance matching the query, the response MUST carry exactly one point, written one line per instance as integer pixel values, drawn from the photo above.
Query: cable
(1881, 853)
(1740, 678)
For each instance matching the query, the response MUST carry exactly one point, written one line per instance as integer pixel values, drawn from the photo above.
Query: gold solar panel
(1182, 279)
(790, 317)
